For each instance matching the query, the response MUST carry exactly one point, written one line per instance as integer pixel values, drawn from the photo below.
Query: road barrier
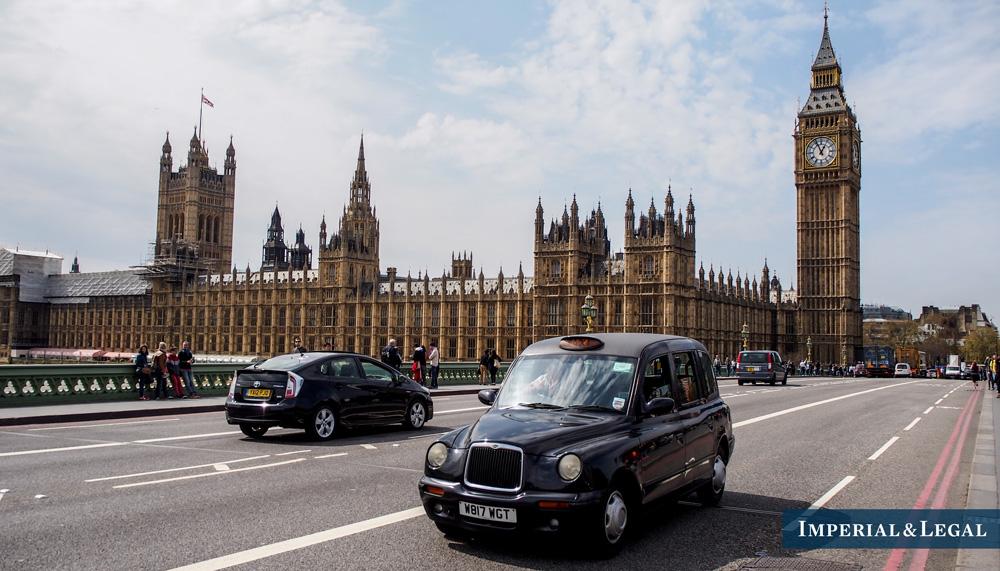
(22, 385)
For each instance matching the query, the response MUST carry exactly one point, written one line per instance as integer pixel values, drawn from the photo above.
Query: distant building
(958, 322)
(885, 312)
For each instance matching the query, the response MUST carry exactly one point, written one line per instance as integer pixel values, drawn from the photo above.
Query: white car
(903, 370)
(953, 372)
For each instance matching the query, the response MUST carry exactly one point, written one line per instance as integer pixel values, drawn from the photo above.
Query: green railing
(22, 385)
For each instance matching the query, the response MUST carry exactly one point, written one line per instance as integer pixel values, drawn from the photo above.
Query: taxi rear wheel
(322, 423)
(710, 494)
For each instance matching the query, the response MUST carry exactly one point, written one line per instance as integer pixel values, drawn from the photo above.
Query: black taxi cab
(584, 431)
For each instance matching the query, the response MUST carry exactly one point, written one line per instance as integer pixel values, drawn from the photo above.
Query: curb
(166, 411)
(982, 492)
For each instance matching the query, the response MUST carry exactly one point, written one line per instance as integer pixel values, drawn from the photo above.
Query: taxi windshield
(589, 382)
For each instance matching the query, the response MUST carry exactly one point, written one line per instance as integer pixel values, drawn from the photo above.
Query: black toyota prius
(322, 392)
(584, 431)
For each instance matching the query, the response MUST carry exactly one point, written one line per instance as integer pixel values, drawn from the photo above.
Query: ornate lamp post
(843, 354)
(589, 311)
(809, 349)
(745, 334)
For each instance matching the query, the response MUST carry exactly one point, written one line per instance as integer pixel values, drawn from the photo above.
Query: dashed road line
(461, 410)
(938, 402)
(330, 455)
(812, 404)
(929, 409)
(293, 544)
(185, 437)
(830, 493)
(294, 452)
(884, 447)
(3, 493)
(369, 447)
(180, 469)
(912, 424)
(63, 449)
(206, 474)
(105, 424)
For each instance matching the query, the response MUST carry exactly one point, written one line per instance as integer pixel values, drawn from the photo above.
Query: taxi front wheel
(610, 532)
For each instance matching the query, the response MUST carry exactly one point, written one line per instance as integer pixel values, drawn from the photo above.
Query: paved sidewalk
(983, 490)
(17, 415)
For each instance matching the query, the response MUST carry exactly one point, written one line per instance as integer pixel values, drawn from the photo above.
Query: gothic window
(296, 317)
(555, 312)
(510, 351)
(619, 313)
(368, 316)
(646, 308)
(281, 317)
(436, 316)
(383, 317)
(418, 315)
(351, 318)
(266, 321)
(555, 269)
(311, 316)
(470, 349)
(400, 315)
(471, 312)
(452, 348)
(201, 226)
(217, 240)
(647, 265)
(453, 316)
(491, 315)
(511, 315)
(330, 315)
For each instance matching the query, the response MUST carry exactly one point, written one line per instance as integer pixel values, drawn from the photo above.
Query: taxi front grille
(494, 467)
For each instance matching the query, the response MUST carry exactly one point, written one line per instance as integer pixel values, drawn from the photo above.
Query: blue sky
(472, 110)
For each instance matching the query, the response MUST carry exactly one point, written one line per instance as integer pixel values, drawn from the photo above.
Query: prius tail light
(293, 386)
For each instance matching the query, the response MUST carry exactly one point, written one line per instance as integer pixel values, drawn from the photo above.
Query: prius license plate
(505, 515)
(259, 393)
(752, 369)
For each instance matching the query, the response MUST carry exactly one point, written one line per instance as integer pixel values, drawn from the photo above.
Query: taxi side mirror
(487, 396)
(659, 405)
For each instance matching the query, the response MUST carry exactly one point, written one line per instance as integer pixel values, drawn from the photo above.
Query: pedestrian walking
(484, 367)
(160, 371)
(974, 375)
(143, 371)
(991, 371)
(717, 363)
(434, 362)
(494, 366)
(299, 347)
(390, 355)
(174, 371)
(186, 359)
(419, 358)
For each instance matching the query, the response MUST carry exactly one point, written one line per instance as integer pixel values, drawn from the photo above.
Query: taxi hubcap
(324, 422)
(719, 475)
(417, 415)
(615, 517)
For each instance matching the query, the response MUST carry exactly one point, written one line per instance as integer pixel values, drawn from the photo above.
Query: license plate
(505, 515)
(752, 369)
(259, 393)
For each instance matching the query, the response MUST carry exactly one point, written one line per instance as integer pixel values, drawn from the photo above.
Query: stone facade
(652, 285)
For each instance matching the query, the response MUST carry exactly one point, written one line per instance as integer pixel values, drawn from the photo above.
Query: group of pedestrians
(168, 370)
(990, 371)
(489, 365)
(424, 365)
(727, 366)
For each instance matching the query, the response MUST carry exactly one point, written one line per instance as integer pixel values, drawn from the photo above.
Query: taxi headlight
(570, 467)
(436, 455)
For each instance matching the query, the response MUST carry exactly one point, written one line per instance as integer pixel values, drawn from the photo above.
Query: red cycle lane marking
(896, 557)
(919, 560)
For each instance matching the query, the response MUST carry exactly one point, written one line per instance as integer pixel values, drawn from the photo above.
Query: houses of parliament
(190, 289)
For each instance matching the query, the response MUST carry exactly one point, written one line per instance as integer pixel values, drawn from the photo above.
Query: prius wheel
(322, 424)
(613, 527)
(740, 382)
(254, 431)
(710, 494)
(784, 380)
(416, 415)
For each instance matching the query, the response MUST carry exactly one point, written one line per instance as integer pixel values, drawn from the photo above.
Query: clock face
(856, 156)
(821, 151)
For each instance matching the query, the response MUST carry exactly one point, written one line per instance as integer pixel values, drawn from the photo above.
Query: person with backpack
(419, 359)
(484, 367)
(160, 372)
(494, 366)
(390, 355)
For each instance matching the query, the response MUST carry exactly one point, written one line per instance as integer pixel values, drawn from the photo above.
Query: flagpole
(201, 107)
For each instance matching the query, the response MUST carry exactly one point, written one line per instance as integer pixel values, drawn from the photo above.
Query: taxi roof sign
(580, 343)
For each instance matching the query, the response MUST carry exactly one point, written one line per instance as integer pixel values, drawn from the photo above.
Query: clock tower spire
(827, 187)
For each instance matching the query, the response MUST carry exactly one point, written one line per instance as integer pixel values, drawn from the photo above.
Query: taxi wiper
(593, 407)
(545, 405)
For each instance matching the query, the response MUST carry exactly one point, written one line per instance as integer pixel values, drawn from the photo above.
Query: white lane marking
(938, 402)
(3, 492)
(951, 407)
(40, 496)
(369, 447)
(884, 448)
(106, 424)
(929, 409)
(167, 470)
(914, 423)
(205, 475)
(830, 493)
(395, 445)
(812, 404)
(424, 436)
(388, 467)
(64, 449)
(187, 437)
(330, 455)
(945, 396)
(461, 410)
(293, 544)
(221, 467)
(294, 452)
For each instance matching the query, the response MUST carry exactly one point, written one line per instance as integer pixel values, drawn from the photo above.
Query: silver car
(764, 366)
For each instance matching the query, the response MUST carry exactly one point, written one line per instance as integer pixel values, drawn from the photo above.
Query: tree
(980, 344)
(937, 349)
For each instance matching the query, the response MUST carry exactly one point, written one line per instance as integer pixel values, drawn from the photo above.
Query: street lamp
(589, 312)
(745, 334)
(843, 354)
(809, 349)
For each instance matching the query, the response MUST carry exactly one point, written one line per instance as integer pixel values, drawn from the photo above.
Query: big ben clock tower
(827, 184)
